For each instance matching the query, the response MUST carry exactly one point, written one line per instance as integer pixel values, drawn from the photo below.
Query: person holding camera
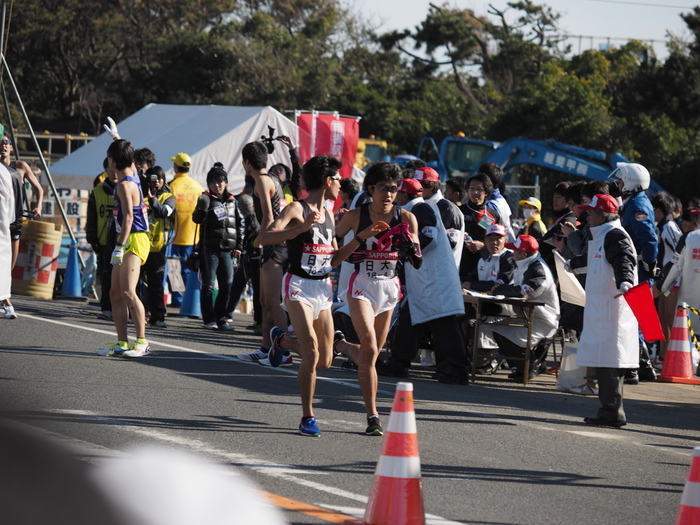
(221, 240)
(161, 208)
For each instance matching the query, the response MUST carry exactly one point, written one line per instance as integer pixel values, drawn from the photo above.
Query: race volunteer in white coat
(532, 281)
(450, 215)
(609, 341)
(685, 271)
(433, 298)
(7, 217)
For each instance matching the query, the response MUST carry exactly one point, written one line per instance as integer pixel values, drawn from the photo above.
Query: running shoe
(286, 361)
(337, 337)
(225, 327)
(105, 314)
(159, 324)
(374, 427)
(211, 326)
(111, 349)
(10, 312)
(253, 356)
(137, 350)
(309, 427)
(276, 354)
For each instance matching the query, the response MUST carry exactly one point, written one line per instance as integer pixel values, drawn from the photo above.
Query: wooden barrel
(35, 271)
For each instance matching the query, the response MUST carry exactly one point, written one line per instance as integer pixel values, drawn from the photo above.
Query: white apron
(610, 330)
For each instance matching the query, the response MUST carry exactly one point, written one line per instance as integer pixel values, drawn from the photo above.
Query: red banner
(329, 134)
(641, 301)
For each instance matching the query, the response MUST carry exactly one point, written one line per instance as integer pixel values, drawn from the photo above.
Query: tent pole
(41, 155)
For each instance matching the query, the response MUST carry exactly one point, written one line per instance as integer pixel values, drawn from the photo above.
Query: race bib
(379, 264)
(316, 259)
(220, 212)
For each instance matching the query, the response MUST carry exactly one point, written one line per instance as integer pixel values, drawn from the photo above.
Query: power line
(643, 4)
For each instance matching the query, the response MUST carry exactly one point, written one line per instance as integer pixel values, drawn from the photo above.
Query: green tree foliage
(495, 75)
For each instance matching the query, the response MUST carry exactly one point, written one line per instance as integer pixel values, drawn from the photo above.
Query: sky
(617, 19)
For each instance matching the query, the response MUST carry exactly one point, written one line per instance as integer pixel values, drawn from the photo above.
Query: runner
(374, 288)
(309, 230)
(130, 253)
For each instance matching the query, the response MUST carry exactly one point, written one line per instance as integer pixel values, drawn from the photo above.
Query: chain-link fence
(514, 194)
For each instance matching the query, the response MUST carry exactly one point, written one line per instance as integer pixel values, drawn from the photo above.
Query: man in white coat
(7, 217)
(609, 341)
(532, 281)
(685, 271)
(433, 298)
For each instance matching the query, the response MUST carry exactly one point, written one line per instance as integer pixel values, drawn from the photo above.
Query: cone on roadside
(689, 510)
(191, 305)
(72, 287)
(678, 363)
(396, 497)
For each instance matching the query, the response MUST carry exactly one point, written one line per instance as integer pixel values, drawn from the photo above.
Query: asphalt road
(491, 453)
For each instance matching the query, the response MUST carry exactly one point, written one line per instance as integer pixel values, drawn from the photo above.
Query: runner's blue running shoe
(276, 354)
(308, 427)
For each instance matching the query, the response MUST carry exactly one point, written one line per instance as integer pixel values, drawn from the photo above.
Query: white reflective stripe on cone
(398, 467)
(691, 494)
(402, 423)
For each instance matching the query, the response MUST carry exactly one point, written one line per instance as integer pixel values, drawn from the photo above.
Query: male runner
(309, 230)
(374, 290)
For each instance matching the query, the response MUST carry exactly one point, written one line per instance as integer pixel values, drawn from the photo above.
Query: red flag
(329, 134)
(642, 304)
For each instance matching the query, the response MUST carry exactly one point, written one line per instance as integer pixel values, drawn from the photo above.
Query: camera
(146, 179)
(269, 141)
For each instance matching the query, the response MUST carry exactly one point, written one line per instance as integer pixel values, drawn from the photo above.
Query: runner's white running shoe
(253, 356)
(138, 350)
(111, 349)
(10, 312)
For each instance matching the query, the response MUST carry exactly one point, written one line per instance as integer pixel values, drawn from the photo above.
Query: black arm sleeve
(200, 212)
(425, 216)
(295, 183)
(620, 254)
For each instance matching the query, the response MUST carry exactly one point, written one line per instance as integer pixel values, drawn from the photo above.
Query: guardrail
(47, 141)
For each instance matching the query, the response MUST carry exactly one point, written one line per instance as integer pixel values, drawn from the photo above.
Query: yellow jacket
(186, 191)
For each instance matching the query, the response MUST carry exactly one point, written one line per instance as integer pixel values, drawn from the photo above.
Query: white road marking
(208, 355)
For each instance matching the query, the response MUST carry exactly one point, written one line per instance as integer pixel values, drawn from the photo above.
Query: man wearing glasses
(477, 218)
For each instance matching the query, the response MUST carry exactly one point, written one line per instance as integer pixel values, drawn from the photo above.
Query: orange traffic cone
(396, 497)
(678, 364)
(689, 511)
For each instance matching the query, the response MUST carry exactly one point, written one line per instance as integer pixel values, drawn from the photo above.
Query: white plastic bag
(570, 374)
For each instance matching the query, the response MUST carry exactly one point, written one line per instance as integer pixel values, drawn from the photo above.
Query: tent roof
(208, 134)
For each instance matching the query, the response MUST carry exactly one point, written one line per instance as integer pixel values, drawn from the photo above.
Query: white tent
(208, 134)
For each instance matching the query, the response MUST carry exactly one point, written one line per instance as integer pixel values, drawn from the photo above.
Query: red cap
(411, 186)
(427, 174)
(525, 243)
(601, 202)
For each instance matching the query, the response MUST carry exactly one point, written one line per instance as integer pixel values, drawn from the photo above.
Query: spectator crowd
(387, 267)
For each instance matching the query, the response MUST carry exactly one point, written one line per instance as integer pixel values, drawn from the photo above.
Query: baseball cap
(532, 201)
(496, 229)
(182, 159)
(428, 174)
(411, 186)
(525, 243)
(601, 202)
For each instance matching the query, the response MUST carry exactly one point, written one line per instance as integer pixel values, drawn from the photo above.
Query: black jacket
(222, 223)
